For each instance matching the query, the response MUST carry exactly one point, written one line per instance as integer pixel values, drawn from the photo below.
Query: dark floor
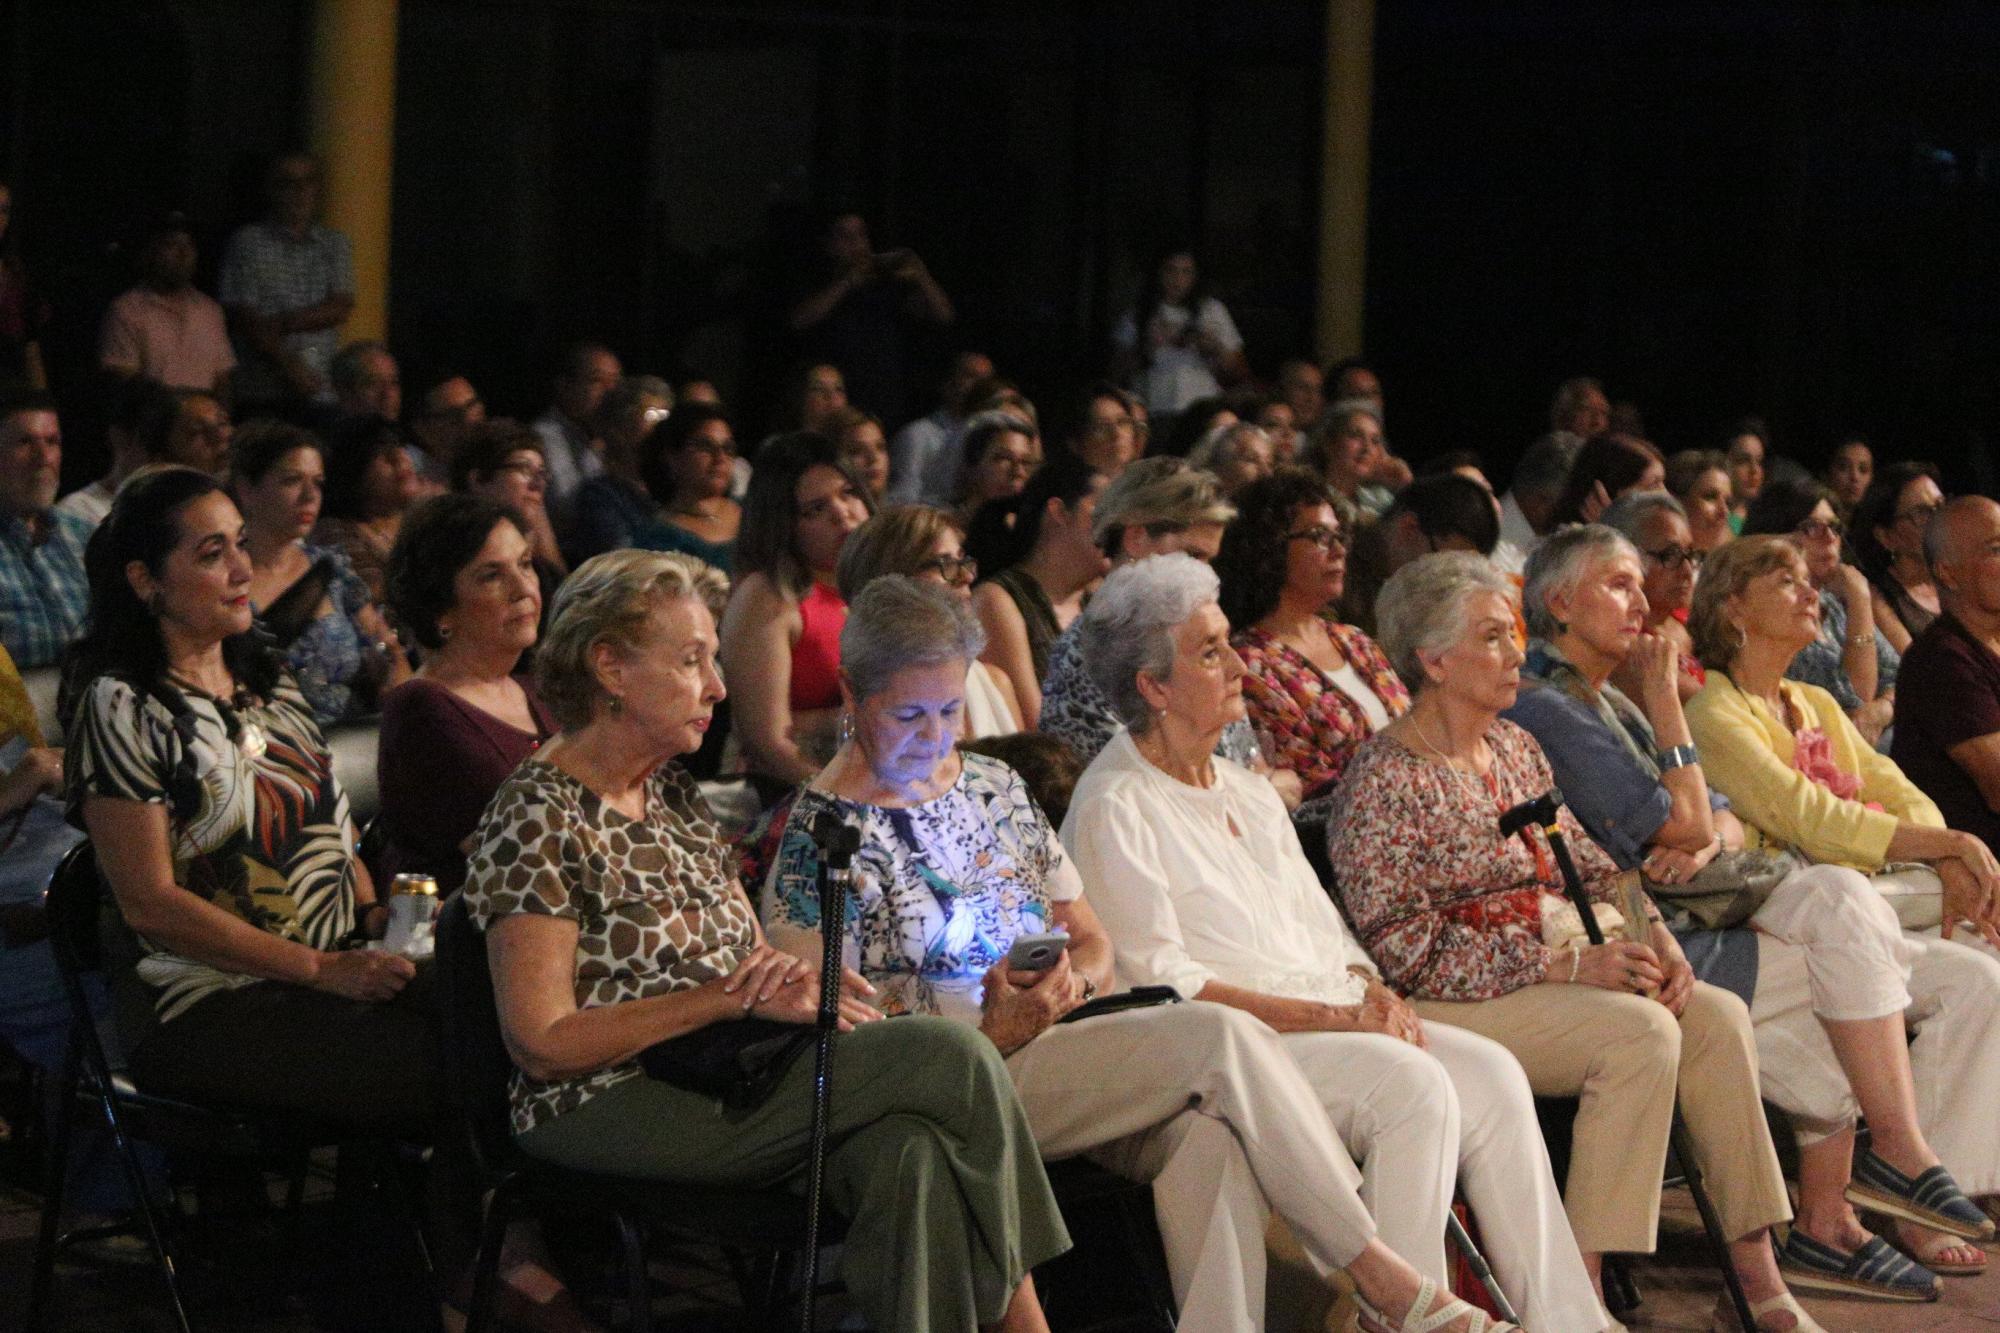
(352, 1268)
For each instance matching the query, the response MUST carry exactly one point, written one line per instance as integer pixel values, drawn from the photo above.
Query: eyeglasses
(723, 449)
(952, 568)
(1673, 557)
(532, 473)
(1816, 528)
(1921, 515)
(1327, 539)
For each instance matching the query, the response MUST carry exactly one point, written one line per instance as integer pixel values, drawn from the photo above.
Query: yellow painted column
(354, 134)
(1343, 202)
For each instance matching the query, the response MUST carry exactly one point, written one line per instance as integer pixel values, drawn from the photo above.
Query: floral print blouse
(1446, 907)
(1314, 726)
(655, 901)
(941, 889)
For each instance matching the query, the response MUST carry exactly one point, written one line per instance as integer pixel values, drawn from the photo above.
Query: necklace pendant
(252, 742)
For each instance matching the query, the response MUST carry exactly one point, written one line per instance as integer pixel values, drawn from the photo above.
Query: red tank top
(816, 656)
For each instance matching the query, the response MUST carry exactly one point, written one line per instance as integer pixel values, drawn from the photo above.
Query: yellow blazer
(1746, 754)
(17, 712)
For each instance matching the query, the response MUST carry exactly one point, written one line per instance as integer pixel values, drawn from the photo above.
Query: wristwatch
(1679, 756)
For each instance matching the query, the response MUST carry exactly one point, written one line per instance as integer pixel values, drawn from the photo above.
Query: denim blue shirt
(1619, 801)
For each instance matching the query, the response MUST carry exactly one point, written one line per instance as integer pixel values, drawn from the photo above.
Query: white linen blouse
(1201, 884)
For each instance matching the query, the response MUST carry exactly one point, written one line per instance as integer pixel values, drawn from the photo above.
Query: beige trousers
(1623, 1055)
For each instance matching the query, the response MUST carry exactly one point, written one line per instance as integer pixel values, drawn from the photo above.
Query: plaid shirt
(267, 272)
(44, 596)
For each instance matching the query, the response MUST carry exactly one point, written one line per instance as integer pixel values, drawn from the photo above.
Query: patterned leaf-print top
(941, 889)
(1448, 910)
(1314, 725)
(655, 901)
(269, 840)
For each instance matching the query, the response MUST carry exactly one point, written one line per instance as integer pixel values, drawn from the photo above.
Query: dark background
(1717, 208)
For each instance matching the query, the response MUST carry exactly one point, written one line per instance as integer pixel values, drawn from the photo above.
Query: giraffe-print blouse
(655, 901)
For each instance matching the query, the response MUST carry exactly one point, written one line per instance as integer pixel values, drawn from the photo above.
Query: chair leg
(135, 1180)
(638, 1283)
(486, 1264)
(1154, 1279)
(52, 1196)
(1691, 1170)
(1621, 1297)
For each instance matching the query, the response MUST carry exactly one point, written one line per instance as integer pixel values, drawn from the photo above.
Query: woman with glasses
(999, 451)
(1848, 658)
(781, 631)
(613, 509)
(1657, 526)
(1822, 962)
(1315, 688)
(929, 545)
(501, 461)
(689, 463)
(1888, 542)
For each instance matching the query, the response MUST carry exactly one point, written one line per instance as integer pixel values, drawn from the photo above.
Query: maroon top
(1947, 693)
(441, 760)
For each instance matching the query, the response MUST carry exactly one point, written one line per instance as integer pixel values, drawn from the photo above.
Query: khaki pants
(1622, 1055)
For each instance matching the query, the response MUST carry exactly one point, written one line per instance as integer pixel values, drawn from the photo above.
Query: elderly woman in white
(956, 863)
(1202, 885)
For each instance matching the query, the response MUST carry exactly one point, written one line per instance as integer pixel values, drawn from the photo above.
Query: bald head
(1963, 534)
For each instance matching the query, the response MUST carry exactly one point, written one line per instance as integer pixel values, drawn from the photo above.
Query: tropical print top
(941, 889)
(256, 823)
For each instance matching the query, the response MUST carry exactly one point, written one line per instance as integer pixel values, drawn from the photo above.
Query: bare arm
(370, 622)
(1007, 648)
(1857, 654)
(328, 314)
(1089, 946)
(926, 300)
(1690, 826)
(1281, 1013)
(131, 842)
(1888, 621)
(1005, 684)
(759, 628)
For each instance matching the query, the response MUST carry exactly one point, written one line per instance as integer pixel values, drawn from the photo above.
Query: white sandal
(1726, 1322)
(1422, 1319)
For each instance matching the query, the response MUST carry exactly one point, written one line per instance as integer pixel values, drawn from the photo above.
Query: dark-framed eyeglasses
(1816, 528)
(952, 569)
(1673, 557)
(1327, 539)
(1921, 515)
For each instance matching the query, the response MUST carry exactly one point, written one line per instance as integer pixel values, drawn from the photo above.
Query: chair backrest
(74, 903)
(477, 1066)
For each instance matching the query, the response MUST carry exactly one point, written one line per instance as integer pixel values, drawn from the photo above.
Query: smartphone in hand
(1037, 953)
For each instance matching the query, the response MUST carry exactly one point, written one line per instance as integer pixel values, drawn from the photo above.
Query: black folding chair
(761, 1232)
(182, 1128)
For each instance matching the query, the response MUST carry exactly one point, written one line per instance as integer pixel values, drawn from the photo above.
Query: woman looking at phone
(957, 866)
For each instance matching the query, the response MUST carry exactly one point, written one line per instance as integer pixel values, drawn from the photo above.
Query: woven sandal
(1873, 1269)
(1932, 1199)
(1423, 1319)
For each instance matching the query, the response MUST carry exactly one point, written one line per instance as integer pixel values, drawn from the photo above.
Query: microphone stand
(1542, 811)
(837, 842)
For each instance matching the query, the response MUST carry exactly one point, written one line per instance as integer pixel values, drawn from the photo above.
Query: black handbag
(738, 1062)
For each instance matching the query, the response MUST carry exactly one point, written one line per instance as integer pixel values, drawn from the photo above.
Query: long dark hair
(1616, 460)
(352, 447)
(1003, 532)
(123, 638)
(766, 540)
(1877, 509)
(1782, 505)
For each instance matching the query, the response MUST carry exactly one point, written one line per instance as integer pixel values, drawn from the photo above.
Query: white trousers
(1231, 1122)
(1831, 948)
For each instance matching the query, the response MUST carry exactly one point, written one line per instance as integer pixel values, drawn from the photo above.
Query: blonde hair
(898, 540)
(609, 599)
(1727, 572)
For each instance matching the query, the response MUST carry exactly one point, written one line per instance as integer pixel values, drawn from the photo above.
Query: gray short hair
(1129, 628)
(622, 399)
(609, 598)
(897, 622)
(1560, 563)
(1628, 514)
(1422, 607)
(1545, 464)
(1218, 447)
